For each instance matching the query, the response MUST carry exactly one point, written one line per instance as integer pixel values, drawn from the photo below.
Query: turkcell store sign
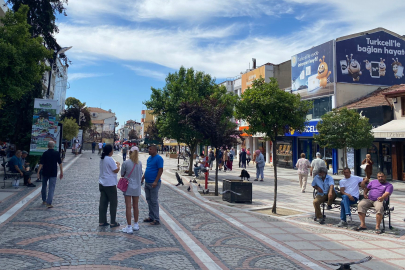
(312, 71)
(44, 126)
(371, 59)
(310, 130)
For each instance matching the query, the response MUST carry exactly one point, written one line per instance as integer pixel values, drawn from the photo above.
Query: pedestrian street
(196, 232)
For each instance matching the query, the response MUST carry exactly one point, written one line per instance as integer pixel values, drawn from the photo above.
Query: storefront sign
(44, 126)
(310, 130)
(312, 71)
(371, 59)
(389, 135)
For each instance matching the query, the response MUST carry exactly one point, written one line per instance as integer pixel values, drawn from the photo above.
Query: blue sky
(123, 48)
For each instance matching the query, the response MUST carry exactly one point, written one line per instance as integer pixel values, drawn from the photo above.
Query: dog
(244, 175)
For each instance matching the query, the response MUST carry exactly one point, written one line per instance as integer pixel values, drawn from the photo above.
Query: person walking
(124, 152)
(260, 163)
(243, 158)
(108, 187)
(303, 165)
(369, 166)
(211, 159)
(248, 156)
(317, 164)
(100, 147)
(225, 159)
(132, 170)
(49, 166)
(93, 147)
(153, 172)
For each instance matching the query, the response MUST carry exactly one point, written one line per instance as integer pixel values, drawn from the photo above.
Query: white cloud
(147, 72)
(78, 76)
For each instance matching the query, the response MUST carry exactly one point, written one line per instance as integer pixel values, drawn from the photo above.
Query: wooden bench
(353, 207)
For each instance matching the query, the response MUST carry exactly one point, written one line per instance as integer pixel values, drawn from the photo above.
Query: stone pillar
(254, 145)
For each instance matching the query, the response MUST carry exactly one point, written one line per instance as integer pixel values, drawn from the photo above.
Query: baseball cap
(24, 152)
(134, 148)
(318, 154)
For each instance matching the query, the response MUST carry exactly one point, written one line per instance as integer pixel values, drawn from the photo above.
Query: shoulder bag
(123, 183)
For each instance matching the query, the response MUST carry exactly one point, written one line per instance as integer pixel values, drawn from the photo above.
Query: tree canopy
(70, 128)
(77, 110)
(342, 128)
(273, 112)
(71, 102)
(132, 134)
(22, 58)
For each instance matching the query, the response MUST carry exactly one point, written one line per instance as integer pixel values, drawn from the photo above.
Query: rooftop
(97, 110)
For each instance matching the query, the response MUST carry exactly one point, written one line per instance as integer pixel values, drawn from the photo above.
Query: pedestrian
(77, 147)
(132, 170)
(108, 187)
(49, 162)
(260, 163)
(93, 147)
(369, 166)
(240, 159)
(153, 172)
(124, 152)
(225, 157)
(219, 155)
(248, 156)
(303, 165)
(243, 158)
(104, 144)
(316, 164)
(211, 158)
(230, 159)
(100, 147)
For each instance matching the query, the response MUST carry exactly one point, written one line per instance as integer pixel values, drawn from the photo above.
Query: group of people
(131, 169)
(19, 165)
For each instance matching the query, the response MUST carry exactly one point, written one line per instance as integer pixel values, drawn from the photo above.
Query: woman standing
(302, 166)
(108, 187)
(132, 170)
(369, 168)
(259, 165)
(248, 156)
(243, 158)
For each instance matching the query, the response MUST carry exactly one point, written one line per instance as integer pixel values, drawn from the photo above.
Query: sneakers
(43, 203)
(31, 185)
(128, 229)
(136, 227)
(256, 179)
(303, 191)
(342, 223)
(49, 205)
(349, 218)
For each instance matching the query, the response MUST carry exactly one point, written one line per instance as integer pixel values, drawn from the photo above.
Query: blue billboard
(312, 71)
(371, 59)
(310, 130)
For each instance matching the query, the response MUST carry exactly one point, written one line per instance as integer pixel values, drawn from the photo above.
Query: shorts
(365, 204)
(77, 150)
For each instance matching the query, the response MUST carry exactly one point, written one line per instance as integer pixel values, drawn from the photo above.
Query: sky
(123, 48)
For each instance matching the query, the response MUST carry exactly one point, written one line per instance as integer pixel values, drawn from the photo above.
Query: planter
(173, 156)
(237, 186)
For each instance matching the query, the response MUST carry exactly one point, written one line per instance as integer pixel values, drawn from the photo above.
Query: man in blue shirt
(17, 166)
(153, 172)
(324, 185)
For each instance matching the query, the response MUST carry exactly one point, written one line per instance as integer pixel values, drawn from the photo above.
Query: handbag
(363, 166)
(123, 182)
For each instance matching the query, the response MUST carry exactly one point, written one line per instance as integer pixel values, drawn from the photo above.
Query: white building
(3, 8)
(103, 122)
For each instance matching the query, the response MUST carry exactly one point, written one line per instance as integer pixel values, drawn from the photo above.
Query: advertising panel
(374, 59)
(44, 126)
(312, 71)
(249, 77)
(310, 130)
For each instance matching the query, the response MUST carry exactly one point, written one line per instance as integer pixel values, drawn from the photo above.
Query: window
(403, 106)
(320, 107)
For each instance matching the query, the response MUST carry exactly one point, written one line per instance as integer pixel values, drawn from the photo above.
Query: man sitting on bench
(16, 166)
(324, 184)
(349, 188)
(380, 190)
(201, 167)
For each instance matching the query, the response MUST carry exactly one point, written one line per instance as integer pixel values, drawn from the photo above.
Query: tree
(22, 58)
(41, 17)
(132, 135)
(184, 85)
(212, 117)
(272, 111)
(78, 111)
(343, 128)
(72, 102)
(70, 128)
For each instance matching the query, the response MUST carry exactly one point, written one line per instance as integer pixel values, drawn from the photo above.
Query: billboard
(44, 126)
(312, 71)
(249, 77)
(310, 130)
(374, 59)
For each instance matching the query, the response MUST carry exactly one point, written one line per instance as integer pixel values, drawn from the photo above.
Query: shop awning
(174, 144)
(392, 130)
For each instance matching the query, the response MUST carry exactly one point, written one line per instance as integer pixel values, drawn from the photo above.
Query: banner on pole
(44, 126)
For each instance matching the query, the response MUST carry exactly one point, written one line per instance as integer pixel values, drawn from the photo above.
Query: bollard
(206, 179)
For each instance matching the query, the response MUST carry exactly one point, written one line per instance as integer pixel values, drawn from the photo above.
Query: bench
(183, 166)
(353, 207)
(7, 173)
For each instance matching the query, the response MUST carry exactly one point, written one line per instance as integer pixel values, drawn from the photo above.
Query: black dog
(244, 175)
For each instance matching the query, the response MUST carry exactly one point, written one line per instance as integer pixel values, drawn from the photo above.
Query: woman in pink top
(302, 166)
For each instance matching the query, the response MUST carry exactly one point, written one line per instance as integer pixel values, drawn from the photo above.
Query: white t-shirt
(351, 185)
(107, 177)
(100, 145)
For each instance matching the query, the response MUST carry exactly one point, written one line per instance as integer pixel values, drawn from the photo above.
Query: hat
(134, 148)
(24, 152)
(318, 154)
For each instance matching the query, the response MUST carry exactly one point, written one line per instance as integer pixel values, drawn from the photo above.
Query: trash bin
(232, 188)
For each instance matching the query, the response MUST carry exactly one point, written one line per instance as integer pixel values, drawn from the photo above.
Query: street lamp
(61, 51)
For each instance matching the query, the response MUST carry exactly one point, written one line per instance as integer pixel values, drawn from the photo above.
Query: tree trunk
(216, 176)
(190, 167)
(274, 209)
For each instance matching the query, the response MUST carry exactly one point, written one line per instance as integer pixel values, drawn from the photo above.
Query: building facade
(103, 125)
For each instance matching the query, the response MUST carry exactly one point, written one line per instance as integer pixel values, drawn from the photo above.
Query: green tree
(72, 102)
(184, 85)
(272, 111)
(132, 135)
(22, 58)
(212, 117)
(343, 128)
(70, 128)
(78, 111)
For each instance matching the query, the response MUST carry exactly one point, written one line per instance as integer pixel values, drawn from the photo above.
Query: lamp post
(63, 50)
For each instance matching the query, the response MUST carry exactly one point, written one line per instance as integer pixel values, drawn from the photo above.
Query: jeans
(51, 190)
(345, 206)
(151, 195)
(124, 156)
(93, 150)
(260, 172)
(107, 195)
(196, 170)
